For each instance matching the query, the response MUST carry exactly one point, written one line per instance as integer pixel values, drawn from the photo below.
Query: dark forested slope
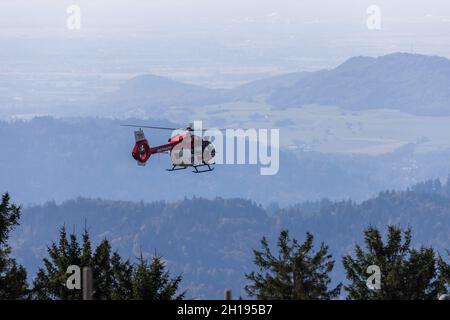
(211, 241)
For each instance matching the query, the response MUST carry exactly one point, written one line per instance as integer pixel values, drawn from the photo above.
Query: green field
(329, 129)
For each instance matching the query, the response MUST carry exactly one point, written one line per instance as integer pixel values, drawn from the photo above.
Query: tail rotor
(141, 150)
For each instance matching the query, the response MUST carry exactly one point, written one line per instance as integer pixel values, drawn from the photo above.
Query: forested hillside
(48, 159)
(210, 241)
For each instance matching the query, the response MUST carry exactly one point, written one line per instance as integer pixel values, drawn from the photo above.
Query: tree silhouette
(152, 281)
(13, 284)
(406, 272)
(113, 277)
(297, 272)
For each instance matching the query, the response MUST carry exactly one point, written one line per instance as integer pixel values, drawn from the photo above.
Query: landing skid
(203, 165)
(196, 168)
(176, 168)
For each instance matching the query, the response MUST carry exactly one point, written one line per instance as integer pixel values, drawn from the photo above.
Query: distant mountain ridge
(412, 83)
(156, 91)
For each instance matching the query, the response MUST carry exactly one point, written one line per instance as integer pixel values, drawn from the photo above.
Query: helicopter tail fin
(141, 150)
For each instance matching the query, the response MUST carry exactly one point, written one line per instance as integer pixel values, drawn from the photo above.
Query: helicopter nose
(209, 151)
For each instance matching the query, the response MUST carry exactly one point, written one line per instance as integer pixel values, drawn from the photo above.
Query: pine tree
(152, 281)
(50, 281)
(51, 278)
(406, 272)
(102, 273)
(444, 275)
(122, 278)
(13, 277)
(113, 278)
(297, 272)
(86, 253)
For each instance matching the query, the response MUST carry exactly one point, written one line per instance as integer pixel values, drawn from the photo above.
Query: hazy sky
(136, 14)
(191, 39)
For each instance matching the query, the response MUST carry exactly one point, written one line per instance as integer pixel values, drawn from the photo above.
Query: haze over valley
(361, 112)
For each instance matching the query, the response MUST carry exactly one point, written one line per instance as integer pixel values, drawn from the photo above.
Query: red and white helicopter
(183, 147)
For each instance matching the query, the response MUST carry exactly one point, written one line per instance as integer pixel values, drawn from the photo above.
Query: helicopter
(182, 147)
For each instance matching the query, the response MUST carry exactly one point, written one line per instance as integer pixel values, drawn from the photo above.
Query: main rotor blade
(210, 129)
(172, 129)
(148, 127)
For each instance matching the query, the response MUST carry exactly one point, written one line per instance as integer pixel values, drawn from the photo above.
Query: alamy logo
(74, 279)
(73, 21)
(374, 20)
(373, 282)
(230, 146)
